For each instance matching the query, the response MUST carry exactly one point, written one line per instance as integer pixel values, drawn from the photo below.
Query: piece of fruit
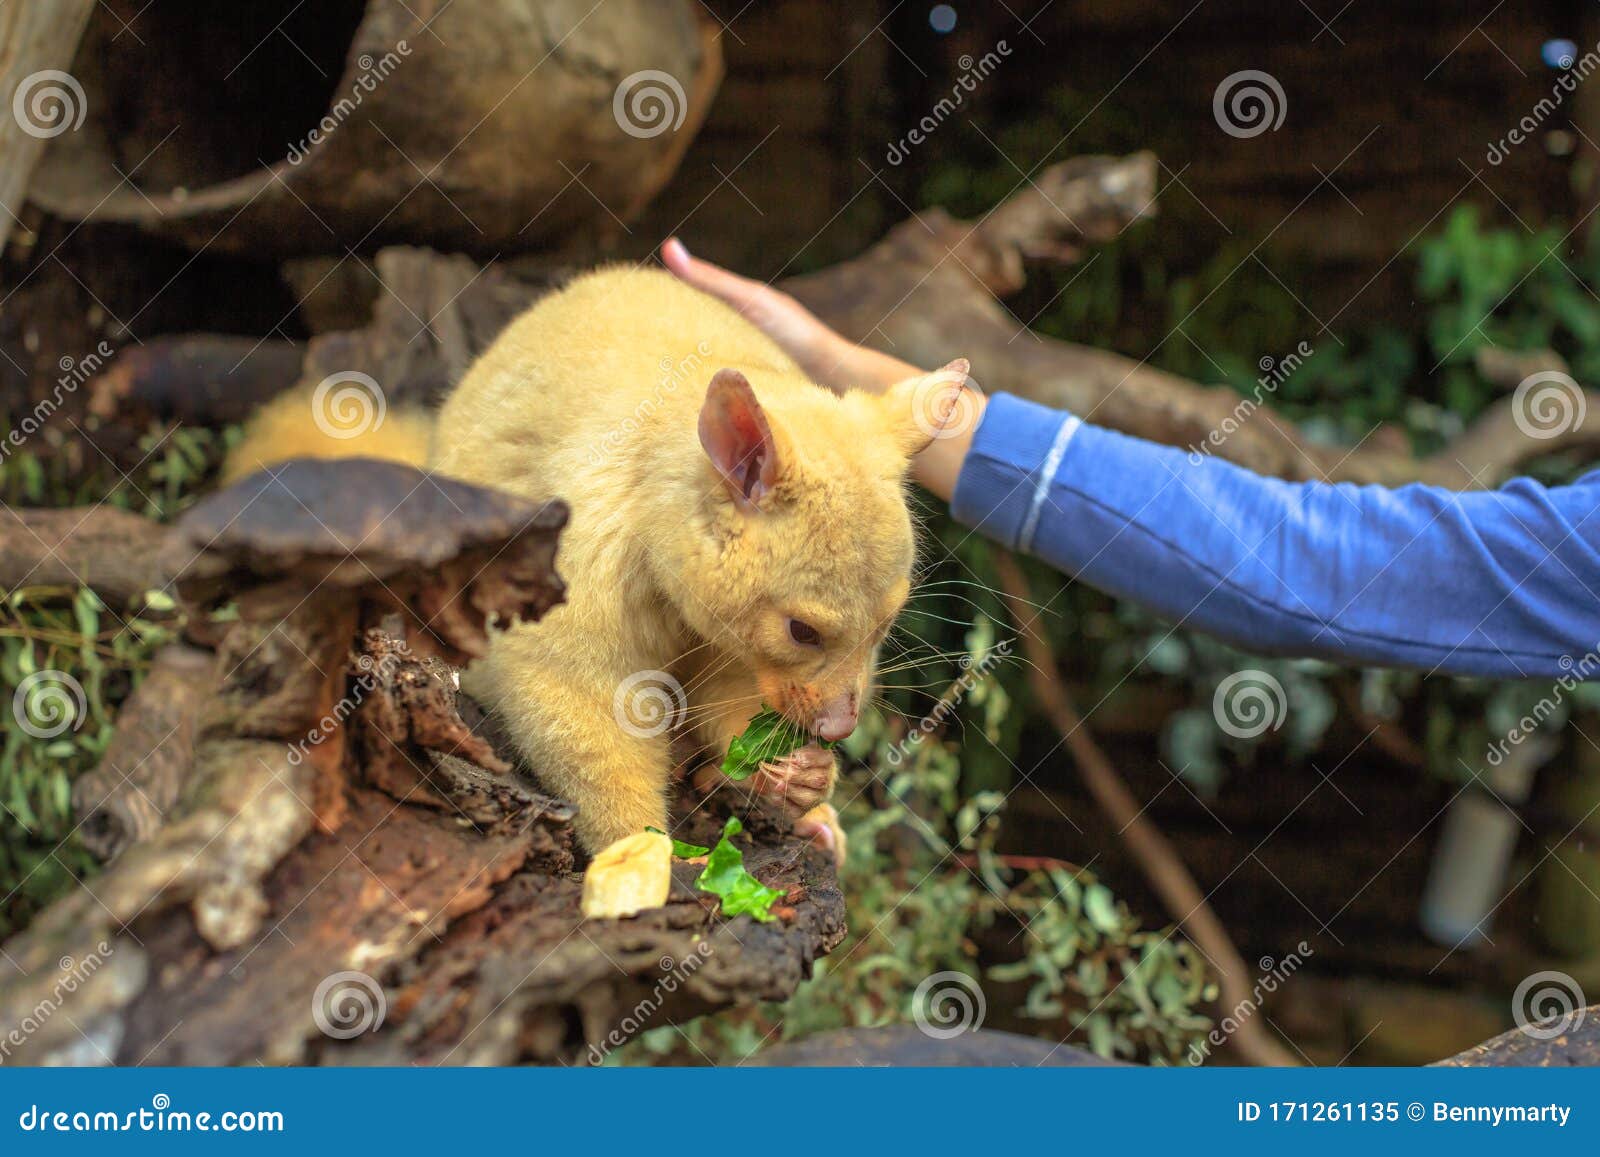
(628, 876)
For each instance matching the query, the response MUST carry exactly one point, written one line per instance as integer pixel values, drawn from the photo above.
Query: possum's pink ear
(738, 439)
(930, 406)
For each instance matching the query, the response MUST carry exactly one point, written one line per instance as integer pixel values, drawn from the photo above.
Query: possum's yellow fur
(284, 429)
(594, 395)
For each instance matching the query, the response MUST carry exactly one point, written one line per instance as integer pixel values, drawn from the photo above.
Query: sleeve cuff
(1005, 480)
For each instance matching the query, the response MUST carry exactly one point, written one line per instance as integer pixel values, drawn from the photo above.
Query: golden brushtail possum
(739, 535)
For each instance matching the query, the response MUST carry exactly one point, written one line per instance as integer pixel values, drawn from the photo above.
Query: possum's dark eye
(804, 634)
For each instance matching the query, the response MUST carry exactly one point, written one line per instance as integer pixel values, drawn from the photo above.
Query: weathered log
(424, 543)
(1572, 1038)
(331, 844)
(205, 379)
(432, 316)
(126, 797)
(487, 128)
(106, 549)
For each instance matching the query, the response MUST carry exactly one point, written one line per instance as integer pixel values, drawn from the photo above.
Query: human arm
(1499, 583)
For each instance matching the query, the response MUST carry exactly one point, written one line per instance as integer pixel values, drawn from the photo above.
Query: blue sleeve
(1501, 583)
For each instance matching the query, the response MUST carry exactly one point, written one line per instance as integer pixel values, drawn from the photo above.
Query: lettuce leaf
(680, 849)
(768, 737)
(726, 876)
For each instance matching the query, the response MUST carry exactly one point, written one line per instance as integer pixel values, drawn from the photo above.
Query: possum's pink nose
(837, 718)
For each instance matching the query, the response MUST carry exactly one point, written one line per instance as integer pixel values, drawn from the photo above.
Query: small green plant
(67, 661)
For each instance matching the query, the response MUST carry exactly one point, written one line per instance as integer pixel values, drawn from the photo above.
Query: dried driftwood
(467, 126)
(138, 780)
(206, 378)
(102, 547)
(36, 42)
(342, 834)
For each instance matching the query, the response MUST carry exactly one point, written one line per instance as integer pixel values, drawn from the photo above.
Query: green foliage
(74, 660)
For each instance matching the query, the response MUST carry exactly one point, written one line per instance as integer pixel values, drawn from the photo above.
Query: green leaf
(159, 600)
(726, 876)
(770, 736)
(1101, 908)
(680, 849)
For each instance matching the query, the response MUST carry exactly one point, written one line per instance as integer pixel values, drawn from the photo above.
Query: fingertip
(675, 256)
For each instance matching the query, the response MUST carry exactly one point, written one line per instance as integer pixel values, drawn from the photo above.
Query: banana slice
(628, 876)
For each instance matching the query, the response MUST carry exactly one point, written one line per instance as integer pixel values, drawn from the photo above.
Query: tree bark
(109, 550)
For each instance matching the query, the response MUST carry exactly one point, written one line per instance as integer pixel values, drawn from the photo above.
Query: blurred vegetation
(74, 661)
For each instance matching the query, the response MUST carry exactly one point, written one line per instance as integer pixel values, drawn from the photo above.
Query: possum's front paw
(821, 826)
(799, 781)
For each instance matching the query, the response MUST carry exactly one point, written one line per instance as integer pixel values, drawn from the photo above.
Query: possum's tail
(342, 417)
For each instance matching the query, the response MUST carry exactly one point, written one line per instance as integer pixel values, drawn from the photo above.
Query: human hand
(827, 357)
(834, 361)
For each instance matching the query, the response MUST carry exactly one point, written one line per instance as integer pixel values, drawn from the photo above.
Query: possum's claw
(821, 826)
(799, 781)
